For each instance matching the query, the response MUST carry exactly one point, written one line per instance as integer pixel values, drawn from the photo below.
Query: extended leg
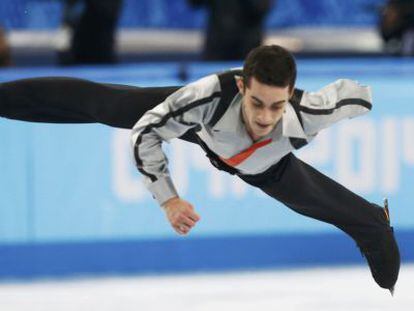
(69, 100)
(308, 192)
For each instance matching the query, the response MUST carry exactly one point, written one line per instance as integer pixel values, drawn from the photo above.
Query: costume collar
(232, 120)
(291, 124)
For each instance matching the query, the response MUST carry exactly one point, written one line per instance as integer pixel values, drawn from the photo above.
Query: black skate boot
(380, 249)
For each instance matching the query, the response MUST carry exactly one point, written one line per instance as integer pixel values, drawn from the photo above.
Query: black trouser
(68, 100)
(308, 192)
(291, 181)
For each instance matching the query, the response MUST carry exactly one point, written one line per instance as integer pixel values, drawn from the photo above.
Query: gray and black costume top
(208, 111)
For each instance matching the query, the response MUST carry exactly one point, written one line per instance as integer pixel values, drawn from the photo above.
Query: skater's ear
(291, 91)
(240, 85)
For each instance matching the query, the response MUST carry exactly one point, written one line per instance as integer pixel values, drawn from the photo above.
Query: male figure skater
(247, 121)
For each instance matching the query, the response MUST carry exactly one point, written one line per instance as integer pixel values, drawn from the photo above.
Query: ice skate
(381, 251)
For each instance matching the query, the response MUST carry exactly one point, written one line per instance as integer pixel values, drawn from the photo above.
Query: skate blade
(392, 291)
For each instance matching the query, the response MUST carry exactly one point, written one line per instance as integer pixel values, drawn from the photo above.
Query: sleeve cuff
(162, 190)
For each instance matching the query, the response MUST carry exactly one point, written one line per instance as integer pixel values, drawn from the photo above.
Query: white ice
(333, 289)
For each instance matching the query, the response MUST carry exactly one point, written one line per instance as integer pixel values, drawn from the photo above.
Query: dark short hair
(271, 65)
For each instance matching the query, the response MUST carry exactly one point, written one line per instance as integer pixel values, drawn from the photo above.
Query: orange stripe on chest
(242, 156)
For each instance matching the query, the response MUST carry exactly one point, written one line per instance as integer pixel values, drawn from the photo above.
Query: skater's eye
(276, 107)
(257, 105)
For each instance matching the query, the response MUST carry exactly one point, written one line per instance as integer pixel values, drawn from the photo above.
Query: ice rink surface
(330, 289)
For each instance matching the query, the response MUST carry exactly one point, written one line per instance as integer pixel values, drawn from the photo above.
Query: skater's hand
(181, 215)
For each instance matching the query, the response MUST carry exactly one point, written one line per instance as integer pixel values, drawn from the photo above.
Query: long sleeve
(339, 100)
(190, 107)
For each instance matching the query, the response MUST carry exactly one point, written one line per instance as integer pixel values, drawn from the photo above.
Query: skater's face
(263, 106)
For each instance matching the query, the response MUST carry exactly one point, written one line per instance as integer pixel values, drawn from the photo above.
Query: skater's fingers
(187, 221)
(182, 229)
(194, 216)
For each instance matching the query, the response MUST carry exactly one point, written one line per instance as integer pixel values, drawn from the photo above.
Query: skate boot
(381, 252)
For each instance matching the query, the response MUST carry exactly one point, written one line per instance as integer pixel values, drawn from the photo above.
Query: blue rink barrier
(71, 201)
(184, 255)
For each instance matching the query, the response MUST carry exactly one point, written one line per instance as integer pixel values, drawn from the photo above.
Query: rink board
(44, 260)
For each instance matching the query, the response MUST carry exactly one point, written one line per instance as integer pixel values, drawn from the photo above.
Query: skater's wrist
(163, 190)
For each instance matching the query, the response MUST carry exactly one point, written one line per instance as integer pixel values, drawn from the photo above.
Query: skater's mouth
(262, 126)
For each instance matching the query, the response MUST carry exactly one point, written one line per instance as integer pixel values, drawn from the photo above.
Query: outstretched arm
(339, 100)
(189, 108)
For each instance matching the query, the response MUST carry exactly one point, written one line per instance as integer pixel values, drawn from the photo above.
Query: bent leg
(70, 100)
